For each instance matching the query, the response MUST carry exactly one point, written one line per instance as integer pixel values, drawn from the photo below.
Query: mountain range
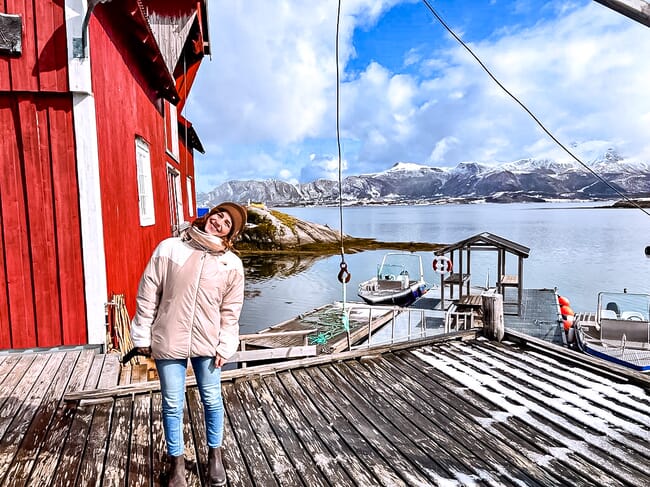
(411, 183)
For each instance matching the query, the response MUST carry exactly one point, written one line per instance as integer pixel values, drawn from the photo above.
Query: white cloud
(271, 88)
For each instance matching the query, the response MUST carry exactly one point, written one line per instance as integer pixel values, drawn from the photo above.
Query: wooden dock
(452, 410)
(324, 327)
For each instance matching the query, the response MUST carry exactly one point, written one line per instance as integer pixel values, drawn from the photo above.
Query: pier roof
(486, 239)
(451, 410)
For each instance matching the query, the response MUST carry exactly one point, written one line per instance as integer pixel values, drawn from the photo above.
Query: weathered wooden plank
(117, 456)
(92, 462)
(317, 433)
(95, 371)
(405, 457)
(7, 364)
(273, 354)
(110, 373)
(69, 465)
(233, 460)
(447, 404)
(139, 373)
(67, 470)
(15, 367)
(511, 375)
(16, 400)
(158, 445)
(193, 475)
(282, 426)
(127, 389)
(34, 438)
(125, 375)
(358, 443)
(608, 400)
(197, 420)
(251, 450)
(59, 428)
(139, 464)
(276, 456)
(20, 422)
(399, 406)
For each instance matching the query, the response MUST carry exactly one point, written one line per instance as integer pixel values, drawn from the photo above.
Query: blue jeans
(172, 374)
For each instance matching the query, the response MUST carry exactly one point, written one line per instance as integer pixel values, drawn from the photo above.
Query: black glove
(144, 351)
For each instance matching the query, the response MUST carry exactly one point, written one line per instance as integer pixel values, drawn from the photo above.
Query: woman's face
(219, 224)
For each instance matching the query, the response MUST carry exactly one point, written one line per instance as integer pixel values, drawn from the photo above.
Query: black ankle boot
(216, 472)
(177, 472)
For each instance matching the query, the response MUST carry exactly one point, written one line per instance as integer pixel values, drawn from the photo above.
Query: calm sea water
(577, 247)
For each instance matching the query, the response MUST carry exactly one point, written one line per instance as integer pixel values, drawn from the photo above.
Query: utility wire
(344, 275)
(338, 129)
(541, 125)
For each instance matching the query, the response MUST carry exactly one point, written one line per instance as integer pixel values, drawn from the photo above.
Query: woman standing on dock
(188, 305)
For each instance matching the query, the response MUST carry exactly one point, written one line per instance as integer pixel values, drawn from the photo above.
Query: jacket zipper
(196, 291)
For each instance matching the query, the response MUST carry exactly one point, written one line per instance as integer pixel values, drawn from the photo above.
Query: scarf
(205, 241)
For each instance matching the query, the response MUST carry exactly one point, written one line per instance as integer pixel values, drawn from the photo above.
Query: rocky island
(272, 231)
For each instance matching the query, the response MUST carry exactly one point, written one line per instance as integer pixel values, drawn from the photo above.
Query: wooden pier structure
(455, 410)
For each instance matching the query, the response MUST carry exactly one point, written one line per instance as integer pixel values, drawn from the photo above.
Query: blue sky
(264, 105)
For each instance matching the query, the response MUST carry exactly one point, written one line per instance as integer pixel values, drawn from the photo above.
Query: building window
(171, 130)
(145, 185)
(190, 197)
(175, 200)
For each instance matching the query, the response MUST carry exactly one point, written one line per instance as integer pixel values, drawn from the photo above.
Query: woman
(188, 305)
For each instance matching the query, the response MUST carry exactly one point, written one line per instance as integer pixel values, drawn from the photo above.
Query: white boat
(619, 331)
(399, 281)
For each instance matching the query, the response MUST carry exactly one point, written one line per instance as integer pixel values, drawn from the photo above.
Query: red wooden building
(97, 163)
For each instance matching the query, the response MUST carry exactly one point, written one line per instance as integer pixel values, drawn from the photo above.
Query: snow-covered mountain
(405, 182)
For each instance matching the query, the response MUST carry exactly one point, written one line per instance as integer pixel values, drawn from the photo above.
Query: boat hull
(402, 297)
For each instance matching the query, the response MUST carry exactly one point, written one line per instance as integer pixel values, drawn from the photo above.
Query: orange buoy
(567, 325)
(563, 301)
(566, 310)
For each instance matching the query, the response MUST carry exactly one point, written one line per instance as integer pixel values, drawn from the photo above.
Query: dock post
(493, 323)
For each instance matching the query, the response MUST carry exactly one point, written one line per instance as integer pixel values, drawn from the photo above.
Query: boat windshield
(623, 306)
(390, 272)
(394, 265)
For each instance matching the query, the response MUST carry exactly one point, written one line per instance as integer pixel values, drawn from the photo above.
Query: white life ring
(442, 264)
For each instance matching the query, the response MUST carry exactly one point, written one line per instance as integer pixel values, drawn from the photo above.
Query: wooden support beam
(97, 396)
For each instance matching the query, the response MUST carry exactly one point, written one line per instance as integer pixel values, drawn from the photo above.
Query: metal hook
(344, 275)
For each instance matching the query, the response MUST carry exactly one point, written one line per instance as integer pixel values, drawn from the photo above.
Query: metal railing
(407, 324)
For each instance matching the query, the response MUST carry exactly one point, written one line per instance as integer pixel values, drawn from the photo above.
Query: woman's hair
(201, 221)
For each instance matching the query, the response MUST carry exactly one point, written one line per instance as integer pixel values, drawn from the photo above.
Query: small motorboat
(618, 332)
(399, 281)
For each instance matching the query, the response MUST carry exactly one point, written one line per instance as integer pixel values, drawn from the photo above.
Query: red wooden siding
(126, 107)
(44, 295)
(42, 66)
(42, 288)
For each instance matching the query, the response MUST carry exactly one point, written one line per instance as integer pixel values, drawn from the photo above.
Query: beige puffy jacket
(189, 300)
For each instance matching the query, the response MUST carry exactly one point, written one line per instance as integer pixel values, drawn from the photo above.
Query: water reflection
(259, 268)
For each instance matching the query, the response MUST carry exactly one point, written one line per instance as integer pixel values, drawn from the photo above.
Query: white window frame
(178, 204)
(190, 197)
(173, 127)
(145, 183)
